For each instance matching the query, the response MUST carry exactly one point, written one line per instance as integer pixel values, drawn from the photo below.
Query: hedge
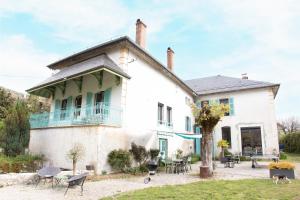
(291, 142)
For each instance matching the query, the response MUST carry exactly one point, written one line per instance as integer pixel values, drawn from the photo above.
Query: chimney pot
(170, 61)
(140, 36)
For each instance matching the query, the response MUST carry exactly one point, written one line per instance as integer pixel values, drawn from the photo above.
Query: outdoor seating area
(178, 165)
(56, 177)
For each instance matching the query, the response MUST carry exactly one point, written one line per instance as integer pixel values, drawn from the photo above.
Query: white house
(108, 96)
(115, 93)
(250, 126)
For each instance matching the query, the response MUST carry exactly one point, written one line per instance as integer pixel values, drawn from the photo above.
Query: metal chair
(77, 180)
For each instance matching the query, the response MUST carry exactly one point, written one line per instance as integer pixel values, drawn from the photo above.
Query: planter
(289, 173)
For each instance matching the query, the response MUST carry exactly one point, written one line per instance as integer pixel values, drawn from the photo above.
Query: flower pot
(289, 173)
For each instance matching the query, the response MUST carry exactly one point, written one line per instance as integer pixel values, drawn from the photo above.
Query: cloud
(21, 63)
(74, 20)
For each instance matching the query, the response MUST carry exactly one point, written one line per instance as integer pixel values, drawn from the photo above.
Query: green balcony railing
(90, 115)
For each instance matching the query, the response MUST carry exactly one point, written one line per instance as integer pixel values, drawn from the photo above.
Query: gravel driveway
(98, 189)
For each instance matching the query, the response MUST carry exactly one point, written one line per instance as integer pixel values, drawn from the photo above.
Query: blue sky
(228, 37)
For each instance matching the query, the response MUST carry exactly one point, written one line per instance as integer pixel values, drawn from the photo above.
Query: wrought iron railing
(165, 124)
(89, 115)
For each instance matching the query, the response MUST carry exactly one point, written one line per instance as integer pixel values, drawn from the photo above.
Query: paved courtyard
(98, 189)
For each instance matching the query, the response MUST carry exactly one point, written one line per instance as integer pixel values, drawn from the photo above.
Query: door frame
(262, 135)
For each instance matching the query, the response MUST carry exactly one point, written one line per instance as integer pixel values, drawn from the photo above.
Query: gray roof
(222, 84)
(99, 62)
(91, 52)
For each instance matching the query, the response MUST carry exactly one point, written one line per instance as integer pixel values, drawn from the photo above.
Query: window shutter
(57, 109)
(210, 102)
(89, 103)
(69, 106)
(231, 106)
(107, 94)
(197, 130)
(190, 124)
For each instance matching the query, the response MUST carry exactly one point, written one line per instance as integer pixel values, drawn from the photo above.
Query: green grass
(293, 157)
(219, 190)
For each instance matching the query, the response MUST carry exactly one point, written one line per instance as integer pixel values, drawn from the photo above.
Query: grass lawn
(215, 190)
(293, 157)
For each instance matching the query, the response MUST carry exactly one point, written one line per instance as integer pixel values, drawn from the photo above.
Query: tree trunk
(206, 168)
(74, 167)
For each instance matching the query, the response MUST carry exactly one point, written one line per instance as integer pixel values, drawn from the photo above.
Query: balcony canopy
(75, 72)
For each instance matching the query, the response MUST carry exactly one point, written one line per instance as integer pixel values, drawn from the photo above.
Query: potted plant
(282, 168)
(223, 144)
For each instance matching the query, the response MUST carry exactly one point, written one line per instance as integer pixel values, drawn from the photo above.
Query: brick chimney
(170, 61)
(140, 36)
(244, 76)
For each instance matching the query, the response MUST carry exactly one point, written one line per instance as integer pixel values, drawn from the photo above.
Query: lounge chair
(77, 180)
(47, 173)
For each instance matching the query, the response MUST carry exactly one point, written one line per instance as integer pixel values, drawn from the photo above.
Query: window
(226, 134)
(169, 116)
(225, 102)
(160, 113)
(63, 109)
(206, 102)
(78, 102)
(187, 123)
(99, 99)
(187, 101)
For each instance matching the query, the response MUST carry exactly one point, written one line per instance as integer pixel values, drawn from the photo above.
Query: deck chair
(77, 180)
(47, 173)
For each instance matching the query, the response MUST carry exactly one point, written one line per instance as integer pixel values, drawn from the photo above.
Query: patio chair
(189, 162)
(47, 173)
(229, 162)
(169, 166)
(77, 180)
(237, 158)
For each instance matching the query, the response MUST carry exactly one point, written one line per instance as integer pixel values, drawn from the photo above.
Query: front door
(163, 148)
(251, 141)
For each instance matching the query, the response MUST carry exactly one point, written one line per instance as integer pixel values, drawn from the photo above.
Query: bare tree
(289, 125)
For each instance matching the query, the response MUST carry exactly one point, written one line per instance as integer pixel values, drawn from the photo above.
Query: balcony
(99, 114)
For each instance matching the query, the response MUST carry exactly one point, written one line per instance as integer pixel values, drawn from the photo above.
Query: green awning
(189, 136)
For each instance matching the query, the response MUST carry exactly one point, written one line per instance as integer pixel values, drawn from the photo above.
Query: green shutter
(190, 124)
(69, 106)
(57, 109)
(89, 103)
(210, 102)
(107, 95)
(231, 106)
(198, 104)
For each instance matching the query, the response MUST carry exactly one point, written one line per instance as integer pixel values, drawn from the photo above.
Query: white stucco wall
(252, 108)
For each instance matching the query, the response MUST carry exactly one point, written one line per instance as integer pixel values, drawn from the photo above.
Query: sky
(211, 37)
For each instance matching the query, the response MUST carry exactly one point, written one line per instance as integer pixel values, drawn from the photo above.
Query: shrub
(119, 160)
(5, 167)
(283, 156)
(16, 167)
(281, 165)
(153, 153)
(16, 128)
(244, 158)
(139, 153)
(291, 142)
(195, 158)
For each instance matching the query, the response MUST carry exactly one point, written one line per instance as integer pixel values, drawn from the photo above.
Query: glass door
(163, 148)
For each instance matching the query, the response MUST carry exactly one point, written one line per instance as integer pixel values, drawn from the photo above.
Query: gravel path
(98, 189)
